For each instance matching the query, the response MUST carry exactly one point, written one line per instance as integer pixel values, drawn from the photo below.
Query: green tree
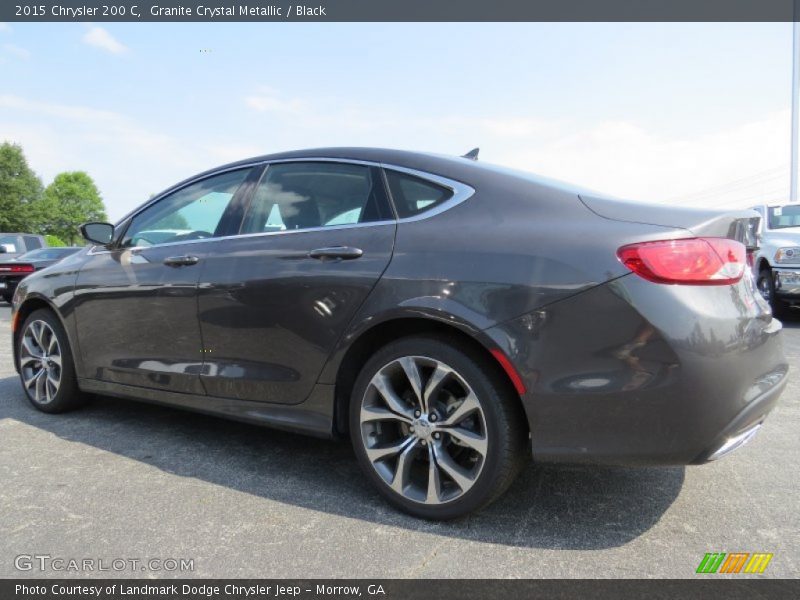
(54, 241)
(20, 191)
(172, 221)
(69, 201)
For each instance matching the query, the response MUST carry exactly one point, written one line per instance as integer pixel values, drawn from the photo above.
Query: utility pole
(795, 98)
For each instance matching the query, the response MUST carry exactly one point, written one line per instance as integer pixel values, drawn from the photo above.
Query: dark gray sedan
(451, 318)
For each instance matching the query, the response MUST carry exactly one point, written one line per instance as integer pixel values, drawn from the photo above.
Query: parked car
(13, 271)
(14, 244)
(777, 264)
(450, 317)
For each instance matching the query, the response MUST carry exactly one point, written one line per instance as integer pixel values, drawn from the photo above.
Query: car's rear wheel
(46, 368)
(437, 430)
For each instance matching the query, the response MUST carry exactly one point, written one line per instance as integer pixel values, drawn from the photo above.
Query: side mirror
(99, 233)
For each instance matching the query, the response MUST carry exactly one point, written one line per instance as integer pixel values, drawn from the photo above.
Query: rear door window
(308, 195)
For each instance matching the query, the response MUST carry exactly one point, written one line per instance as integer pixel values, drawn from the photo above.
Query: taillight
(22, 268)
(693, 261)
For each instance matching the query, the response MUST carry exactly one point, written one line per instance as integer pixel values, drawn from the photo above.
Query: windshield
(781, 217)
(47, 253)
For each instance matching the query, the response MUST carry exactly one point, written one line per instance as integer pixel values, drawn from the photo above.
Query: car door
(274, 300)
(136, 304)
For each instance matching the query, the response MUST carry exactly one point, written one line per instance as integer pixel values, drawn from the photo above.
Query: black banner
(399, 10)
(394, 589)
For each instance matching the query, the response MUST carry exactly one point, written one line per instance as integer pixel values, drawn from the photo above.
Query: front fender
(55, 290)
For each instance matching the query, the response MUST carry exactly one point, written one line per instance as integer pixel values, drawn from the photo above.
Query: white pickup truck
(777, 261)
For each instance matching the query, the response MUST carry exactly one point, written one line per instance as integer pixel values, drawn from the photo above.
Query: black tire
(67, 396)
(503, 421)
(766, 285)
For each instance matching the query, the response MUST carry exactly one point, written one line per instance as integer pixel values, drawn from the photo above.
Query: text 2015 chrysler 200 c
(448, 316)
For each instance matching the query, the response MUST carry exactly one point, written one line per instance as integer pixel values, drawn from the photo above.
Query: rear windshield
(781, 217)
(47, 253)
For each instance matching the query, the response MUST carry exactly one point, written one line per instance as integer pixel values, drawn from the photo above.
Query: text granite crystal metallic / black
(452, 318)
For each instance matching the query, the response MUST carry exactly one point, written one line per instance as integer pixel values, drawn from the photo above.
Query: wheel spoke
(28, 347)
(27, 359)
(41, 378)
(32, 379)
(434, 383)
(382, 452)
(52, 344)
(392, 400)
(469, 438)
(55, 359)
(412, 374)
(469, 405)
(36, 330)
(434, 480)
(53, 380)
(404, 462)
(459, 475)
(376, 413)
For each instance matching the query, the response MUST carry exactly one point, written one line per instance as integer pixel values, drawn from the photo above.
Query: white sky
(691, 114)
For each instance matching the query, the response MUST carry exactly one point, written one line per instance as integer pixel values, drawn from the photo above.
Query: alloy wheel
(424, 430)
(40, 362)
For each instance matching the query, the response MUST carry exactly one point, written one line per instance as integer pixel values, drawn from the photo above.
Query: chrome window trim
(461, 192)
(237, 236)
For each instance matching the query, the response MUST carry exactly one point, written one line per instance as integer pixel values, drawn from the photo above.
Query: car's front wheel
(45, 364)
(766, 285)
(437, 429)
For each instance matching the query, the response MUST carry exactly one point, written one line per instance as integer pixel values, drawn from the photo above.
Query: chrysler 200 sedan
(449, 317)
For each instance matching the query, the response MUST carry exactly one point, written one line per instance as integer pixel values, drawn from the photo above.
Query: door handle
(343, 252)
(181, 261)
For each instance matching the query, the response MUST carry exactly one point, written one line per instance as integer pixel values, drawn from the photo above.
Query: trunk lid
(740, 224)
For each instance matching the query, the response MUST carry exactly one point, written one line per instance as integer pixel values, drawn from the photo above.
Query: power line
(749, 181)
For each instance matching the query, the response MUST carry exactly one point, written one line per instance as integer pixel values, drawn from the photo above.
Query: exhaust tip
(734, 442)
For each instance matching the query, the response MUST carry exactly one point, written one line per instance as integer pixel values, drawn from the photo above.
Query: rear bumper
(745, 425)
(8, 285)
(636, 373)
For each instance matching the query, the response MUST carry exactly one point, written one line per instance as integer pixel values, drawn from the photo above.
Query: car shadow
(547, 507)
(791, 318)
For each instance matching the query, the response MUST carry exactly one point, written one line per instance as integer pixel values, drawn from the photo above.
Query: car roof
(424, 161)
(457, 168)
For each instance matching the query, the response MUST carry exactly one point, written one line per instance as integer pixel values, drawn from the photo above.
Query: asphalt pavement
(125, 481)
